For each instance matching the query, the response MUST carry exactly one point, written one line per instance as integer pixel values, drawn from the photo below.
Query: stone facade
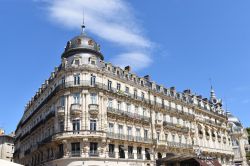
(90, 112)
(6, 147)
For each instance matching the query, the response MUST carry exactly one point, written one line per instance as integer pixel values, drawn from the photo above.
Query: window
(166, 137)
(76, 98)
(155, 100)
(139, 151)
(110, 103)
(77, 79)
(121, 151)
(93, 98)
(60, 147)
(109, 85)
(92, 125)
(118, 86)
(162, 103)
(135, 94)
(142, 95)
(147, 154)
(136, 109)
(62, 101)
(173, 138)
(180, 139)
(61, 126)
(128, 107)
(75, 149)
(111, 150)
(92, 80)
(171, 119)
(119, 105)
(111, 127)
(120, 129)
(63, 80)
(158, 136)
(77, 62)
(146, 134)
(129, 131)
(130, 152)
(76, 126)
(93, 149)
(127, 89)
(138, 134)
(92, 62)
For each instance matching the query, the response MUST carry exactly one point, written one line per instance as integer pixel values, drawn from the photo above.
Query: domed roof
(82, 43)
(234, 120)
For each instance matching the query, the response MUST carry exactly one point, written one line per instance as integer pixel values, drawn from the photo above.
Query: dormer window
(93, 62)
(77, 62)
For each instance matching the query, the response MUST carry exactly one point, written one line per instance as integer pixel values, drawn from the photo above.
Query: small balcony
(76, 153)
(130, 155)
(112, 154)
(60, 111)
(94, 153)
(93, 109)
(139, 156)
(75, 109)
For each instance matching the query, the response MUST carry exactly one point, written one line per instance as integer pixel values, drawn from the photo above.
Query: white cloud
(112, 20)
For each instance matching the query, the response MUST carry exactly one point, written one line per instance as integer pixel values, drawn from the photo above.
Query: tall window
(171, 119)
(136, 109)
(127, 89)
(111, 127)
(93, 148)
(92, 125)
(75, 149)
(128, 107)
(61, 126)
(166, 137)
(62, 101)
(155, 100)
(158, 136)
(118, 87)
(93, 98)
(119, 105)
(173, 138)
(63, 80)
(144, 113)
(109, 85)
(139, 152)
(145, 134)
(129, 131)
(110, 103)
(138, 134)
(76, 98)
(142, 95)
(135, 94)
(130, 152)
(120, 129)
(92, 80)
(77, 79)
(111, 149)
(76, 126)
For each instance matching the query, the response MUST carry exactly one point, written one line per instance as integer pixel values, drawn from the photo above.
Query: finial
(83, 25)
(212, 93)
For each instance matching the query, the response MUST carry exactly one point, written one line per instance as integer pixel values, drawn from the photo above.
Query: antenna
(83, 24)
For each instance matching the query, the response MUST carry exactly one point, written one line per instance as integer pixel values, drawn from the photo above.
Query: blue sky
(179, 43)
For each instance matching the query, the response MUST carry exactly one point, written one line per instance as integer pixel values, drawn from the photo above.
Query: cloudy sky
(179, 43)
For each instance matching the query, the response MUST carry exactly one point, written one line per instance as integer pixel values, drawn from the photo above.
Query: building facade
(239, 140)
(6, 146)
(90, 112)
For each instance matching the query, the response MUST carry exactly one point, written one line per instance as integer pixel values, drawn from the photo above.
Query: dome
(234, 120)
(82, 43)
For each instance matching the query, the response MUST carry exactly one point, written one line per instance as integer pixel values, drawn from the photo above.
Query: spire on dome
(83, 24)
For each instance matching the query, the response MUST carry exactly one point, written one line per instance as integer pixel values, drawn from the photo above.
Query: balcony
(60, 111)
(94, 153)
(93, 109)
(76, 153)
(139, 156)
(130, 155)
(75, 109)
(178, 145)
(112, 154)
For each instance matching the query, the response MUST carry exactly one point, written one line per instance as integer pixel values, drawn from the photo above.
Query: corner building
(90, 112)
